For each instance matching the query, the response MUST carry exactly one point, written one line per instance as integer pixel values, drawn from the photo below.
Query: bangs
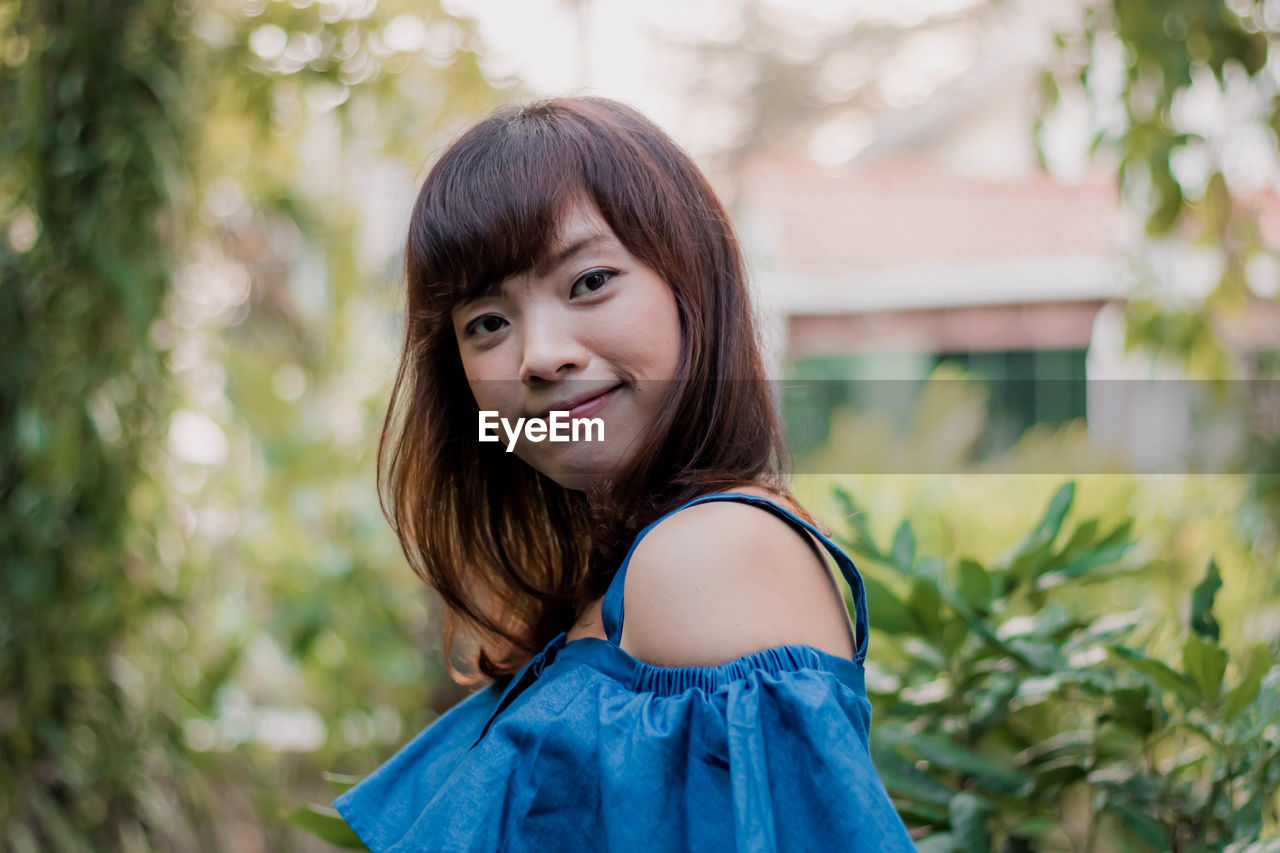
(490, 209)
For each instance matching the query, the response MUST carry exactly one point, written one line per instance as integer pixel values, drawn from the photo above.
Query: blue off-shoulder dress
(588, 748)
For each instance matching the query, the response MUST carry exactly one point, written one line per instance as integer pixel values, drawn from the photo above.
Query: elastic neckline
(610, 660)
(611, 610)
(643, 677)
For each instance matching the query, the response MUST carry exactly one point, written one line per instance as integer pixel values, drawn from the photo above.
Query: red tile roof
(896, 214)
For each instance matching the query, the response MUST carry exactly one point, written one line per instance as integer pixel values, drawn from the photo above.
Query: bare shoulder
(721, 579)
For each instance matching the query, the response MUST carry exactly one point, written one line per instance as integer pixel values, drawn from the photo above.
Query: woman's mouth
(585, 407)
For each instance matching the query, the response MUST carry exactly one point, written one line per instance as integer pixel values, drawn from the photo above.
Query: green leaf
(926, 653)
(1058, 774)
(885, 610)
(969, 823)
(1170, 201)
(1081, 537)
(1072, 744)
(1131, 706)
(1240, 696)
(939, 842)
(1159, 674)
(903, 553)
(1051, 522)
(925, 604)
(1048, 88)
(1040, 655)
(1116, 536)
(903, 778)
(1113, 741)
(1144, 827)
(1269, 846)
(922, 814)
(942, 753)
(1037, 660)
(1049, 622)
(1265, 709)
(1206, 663)
(974, 585)
(1036, 547)
(327, 824)
(863, 540)
(1031, 827)
(933, 568)
(1202, 621)
(1114, 623)
(1091, 559)
(990, 706)
(341, 782)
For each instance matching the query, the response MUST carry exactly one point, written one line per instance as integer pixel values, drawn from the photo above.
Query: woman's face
(596, 326)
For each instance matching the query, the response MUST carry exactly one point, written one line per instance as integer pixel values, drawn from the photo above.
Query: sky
(629, 56)
(537, 40)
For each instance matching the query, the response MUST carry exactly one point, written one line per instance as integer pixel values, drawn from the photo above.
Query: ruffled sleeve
(772, 759)
(385, 805)
(765, 753)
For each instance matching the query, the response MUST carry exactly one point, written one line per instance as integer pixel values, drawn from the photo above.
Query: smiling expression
(595, 333)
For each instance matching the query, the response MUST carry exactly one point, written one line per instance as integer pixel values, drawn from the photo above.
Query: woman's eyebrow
(557, 258)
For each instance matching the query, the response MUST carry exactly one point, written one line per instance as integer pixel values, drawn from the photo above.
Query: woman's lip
(589, 407)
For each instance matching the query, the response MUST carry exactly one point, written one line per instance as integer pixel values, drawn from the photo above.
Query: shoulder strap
(612, 606)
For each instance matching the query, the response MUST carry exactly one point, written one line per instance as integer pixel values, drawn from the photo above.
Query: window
(1025, 387)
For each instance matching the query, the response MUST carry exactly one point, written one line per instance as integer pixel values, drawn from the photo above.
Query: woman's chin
(577, 479)
(581, 483)
(576, 474)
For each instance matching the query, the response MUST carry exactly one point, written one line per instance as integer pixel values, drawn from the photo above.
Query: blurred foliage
(776, 75)
(201, 605)
(325, 822)
(1054, 667)
(978, 504)
(1015, 719)
(1179, 91)
(94, 129)
(1186, 97)
(282, 335)
(309, 174)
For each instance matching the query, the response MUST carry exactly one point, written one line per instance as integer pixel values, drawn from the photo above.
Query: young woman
(567, 256)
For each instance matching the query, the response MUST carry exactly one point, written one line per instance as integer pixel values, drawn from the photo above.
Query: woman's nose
(551, 350)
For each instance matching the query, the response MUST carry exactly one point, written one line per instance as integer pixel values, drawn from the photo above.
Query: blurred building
(943, 240)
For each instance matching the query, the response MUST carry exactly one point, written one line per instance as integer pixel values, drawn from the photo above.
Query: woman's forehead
(581, 228)
(581, 219)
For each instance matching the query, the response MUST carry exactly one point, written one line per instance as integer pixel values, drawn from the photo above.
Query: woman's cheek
(490, 387)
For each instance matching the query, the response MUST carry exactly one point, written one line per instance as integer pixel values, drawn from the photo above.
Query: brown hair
(514, 555)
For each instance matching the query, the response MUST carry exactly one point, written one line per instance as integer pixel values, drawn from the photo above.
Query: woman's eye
(483, 326)
(591, 282)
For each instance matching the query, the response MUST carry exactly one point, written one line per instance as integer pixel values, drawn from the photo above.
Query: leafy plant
(89, 158)
(179, 534)
(1013, 721)
(324, 821)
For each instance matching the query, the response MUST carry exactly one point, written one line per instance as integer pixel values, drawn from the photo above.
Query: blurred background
(1017, 266)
